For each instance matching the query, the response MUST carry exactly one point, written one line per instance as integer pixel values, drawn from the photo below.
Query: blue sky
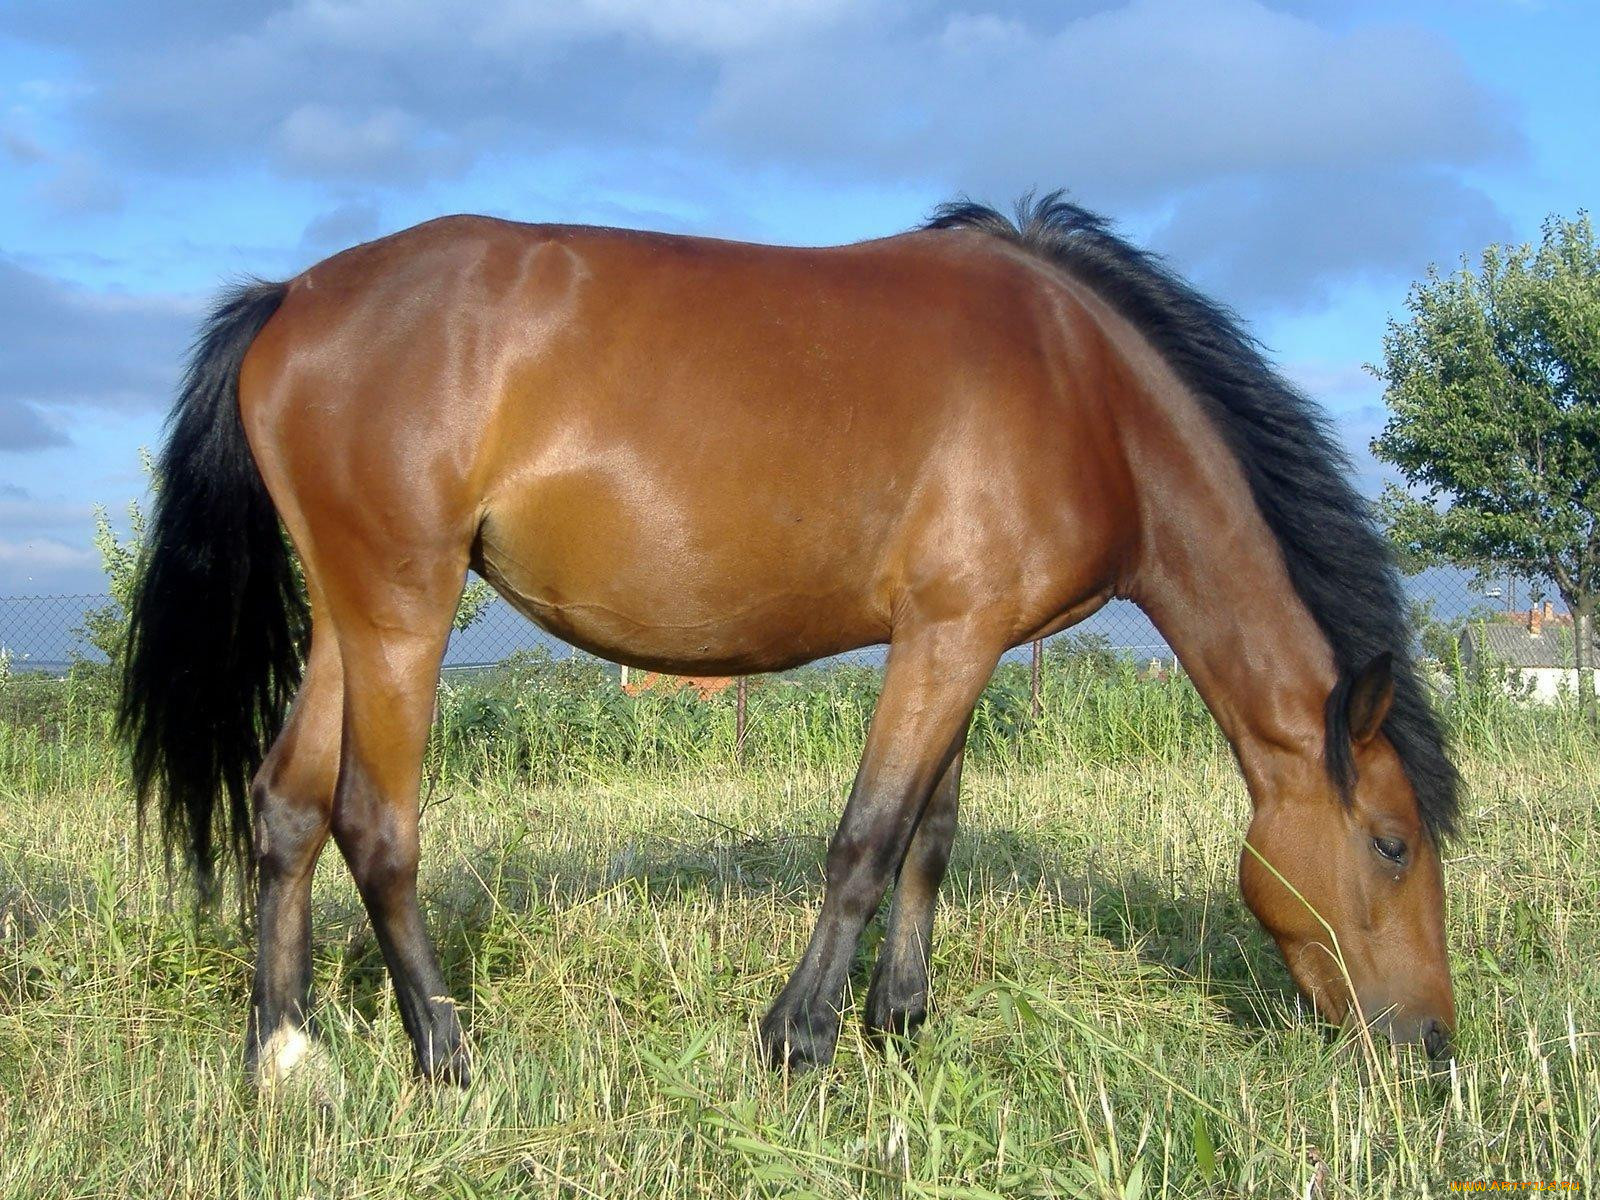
(1305, 160)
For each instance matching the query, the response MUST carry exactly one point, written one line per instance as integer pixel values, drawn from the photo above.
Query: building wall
(1548, 684)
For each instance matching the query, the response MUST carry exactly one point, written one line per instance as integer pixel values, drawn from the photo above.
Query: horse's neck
(1212, 578)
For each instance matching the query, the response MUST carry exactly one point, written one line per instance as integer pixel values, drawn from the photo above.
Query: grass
(616, 899)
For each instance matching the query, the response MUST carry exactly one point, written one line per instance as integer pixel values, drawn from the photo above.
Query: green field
(617, 899)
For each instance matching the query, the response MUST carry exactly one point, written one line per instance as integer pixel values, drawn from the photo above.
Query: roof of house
(1513, 646)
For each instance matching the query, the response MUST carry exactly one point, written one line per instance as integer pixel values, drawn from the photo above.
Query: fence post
(1038, 658)
(738, 719)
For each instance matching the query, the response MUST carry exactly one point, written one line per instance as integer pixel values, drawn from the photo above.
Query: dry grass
(1105, 1009)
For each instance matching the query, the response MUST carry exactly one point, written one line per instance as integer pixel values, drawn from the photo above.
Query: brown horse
(706, 457)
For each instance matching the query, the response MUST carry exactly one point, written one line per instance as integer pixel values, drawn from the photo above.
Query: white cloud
(68, 345)
(70, 183)
(80, 186)
(1288, 238)
(18, 509)
(1325, 380)
(1251, 126)
(323, 141)
(44, 555)
(517, 26)
(24, 427)
(345, 224)
(1121, 105)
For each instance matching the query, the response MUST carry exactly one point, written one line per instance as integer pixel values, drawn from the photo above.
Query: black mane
(1340, 565)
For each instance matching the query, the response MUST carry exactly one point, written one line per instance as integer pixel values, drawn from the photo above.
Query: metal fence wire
(1452, 610)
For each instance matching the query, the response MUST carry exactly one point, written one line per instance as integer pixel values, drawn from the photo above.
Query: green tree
(1493, 388)
(106, 627)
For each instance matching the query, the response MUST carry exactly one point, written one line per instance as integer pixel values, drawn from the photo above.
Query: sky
(1303, 160)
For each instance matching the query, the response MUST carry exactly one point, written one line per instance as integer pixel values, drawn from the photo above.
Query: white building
(1536, 655)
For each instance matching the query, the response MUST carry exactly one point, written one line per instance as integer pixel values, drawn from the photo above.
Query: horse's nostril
(1436, 1040)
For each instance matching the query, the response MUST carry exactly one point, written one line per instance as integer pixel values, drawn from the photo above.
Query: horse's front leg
(934, 675)
(897, 1000)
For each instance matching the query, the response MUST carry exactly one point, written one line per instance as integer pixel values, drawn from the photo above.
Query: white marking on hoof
(285, 1049)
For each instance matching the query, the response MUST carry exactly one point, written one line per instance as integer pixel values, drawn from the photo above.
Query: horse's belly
(722, 593)
(733, 643)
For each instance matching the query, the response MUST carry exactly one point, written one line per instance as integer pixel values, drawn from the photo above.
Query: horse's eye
(1391, 848)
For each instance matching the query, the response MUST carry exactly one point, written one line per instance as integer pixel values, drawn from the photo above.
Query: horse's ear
(1369, 699)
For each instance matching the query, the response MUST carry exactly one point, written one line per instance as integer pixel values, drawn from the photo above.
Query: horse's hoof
(287, 1048)
(451, 1067)
(293, 1061)
(894, 1018)
(457, 1071)
(798, 1039)
(897, 1000)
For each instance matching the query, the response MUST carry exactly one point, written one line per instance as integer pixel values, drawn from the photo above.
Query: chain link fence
(49, 634)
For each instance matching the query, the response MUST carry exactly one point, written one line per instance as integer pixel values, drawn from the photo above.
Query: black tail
(216, 617)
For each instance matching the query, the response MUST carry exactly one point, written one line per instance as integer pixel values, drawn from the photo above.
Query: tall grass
(558, 721)
(539, 720)
(617, 895)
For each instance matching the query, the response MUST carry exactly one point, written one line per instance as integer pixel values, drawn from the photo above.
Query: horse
(709, 457)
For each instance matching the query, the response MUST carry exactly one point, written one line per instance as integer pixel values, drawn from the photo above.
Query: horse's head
(1350, 885)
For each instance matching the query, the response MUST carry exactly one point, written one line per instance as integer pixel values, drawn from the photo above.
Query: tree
(1493, 388)
(105, 628)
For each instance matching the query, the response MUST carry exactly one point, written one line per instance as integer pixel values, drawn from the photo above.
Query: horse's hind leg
(392, 637)
(897, 1000)
(293, 797)
(934, 675)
